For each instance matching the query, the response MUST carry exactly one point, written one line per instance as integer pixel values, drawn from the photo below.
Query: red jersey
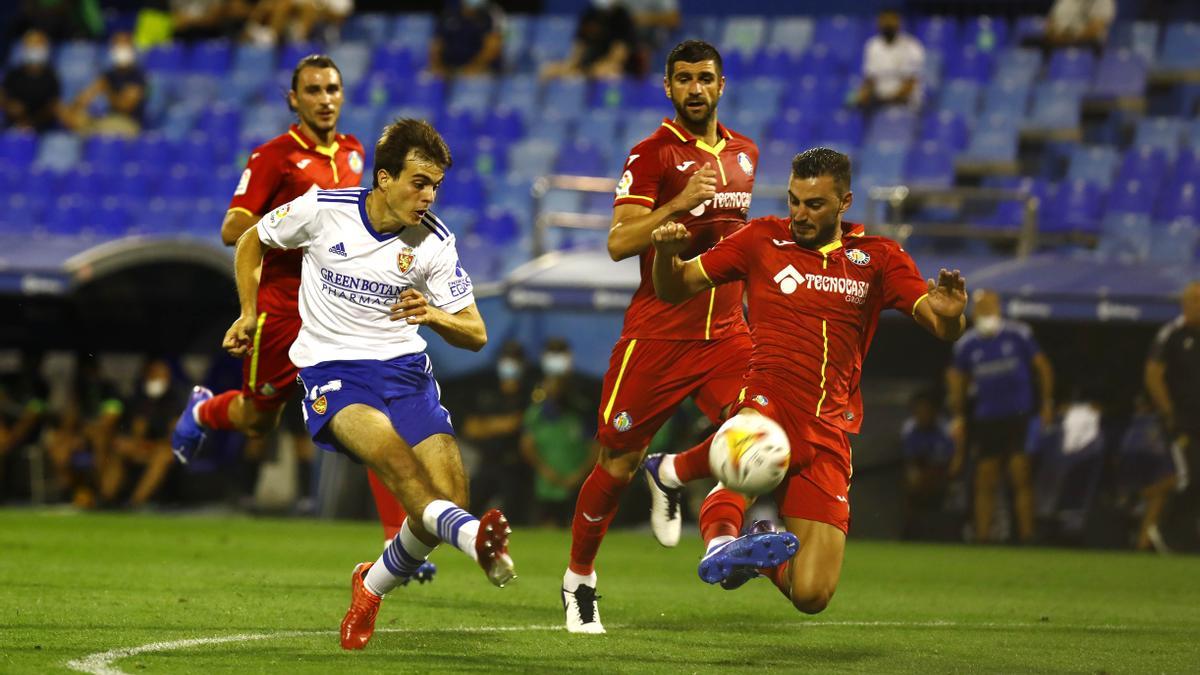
(656, 171)
(813, 312)
(277, 172)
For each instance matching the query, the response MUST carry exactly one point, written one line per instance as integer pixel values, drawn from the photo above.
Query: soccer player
(695, 171)
(816, 287)
(371, 258)
(311, 154)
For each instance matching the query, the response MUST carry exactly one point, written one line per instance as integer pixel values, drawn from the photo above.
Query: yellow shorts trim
(612, 399)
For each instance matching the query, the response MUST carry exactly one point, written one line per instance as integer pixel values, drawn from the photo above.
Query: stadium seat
(396, 59)
(461, 125)
(369, 27)
(568, 96)
(167, 58)
(893, 124)
(1074, 206)
(551, 38)
(1145, 163)
(1180, 52)
(598, 128)
(532, 157)
(476, 94)
(66, 218)
(58, 151)
(582, 158)
(1187, 166)
(362, 122)
(960, 97)
(775, 162)
(414, 29)
(1028, 27)
(1072, 64)
(1125, 237)
(462, 189)
(937, 33)
(1140, 37)
(551, 127)
(1096, 164)
(1179, 201)
(946, 128)
(1056, 109)
(499, 226)
(505, 124)
(1134, 196)
(1121, 74)
(792, 33)
(290, 54)
(820, 62)
(213, 57)
(748, 120)
(427, 92)
(512, 193)
(519, 92)
(17, 148)
(844, 36)
(841, 127)
(1009, 214)
(701, 27)
(353, 59)
(763, 94)
(814, 93)
(991, 149)
(1166, 133)
(793, 126)
(930, 164)
(743, 34)
(637, 128)
(985, 33)
(883, 165)
(969, 63)
(1018, 65)
(1006, 99)
(1176, 243)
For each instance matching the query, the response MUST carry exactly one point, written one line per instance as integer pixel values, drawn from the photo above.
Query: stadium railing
(887, 206)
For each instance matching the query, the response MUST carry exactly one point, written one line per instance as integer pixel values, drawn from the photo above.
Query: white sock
(399, 561)
(666, 473)
(572, 581)
(717, 542)
(196, 414)
(452, 525)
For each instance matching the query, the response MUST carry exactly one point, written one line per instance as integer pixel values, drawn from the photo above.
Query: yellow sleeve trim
(914, 309)
(649, 199)
(703, 271)
(238, 209)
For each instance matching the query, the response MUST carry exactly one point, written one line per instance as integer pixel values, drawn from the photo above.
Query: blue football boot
(188, 435)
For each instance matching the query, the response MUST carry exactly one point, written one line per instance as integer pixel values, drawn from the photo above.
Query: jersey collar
(308, 144)
(362, 212)
(685, 136)
(848, 230)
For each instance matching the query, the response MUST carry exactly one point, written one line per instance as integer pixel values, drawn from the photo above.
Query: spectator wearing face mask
(468, 39)
(997, 365)
(31, 89)
(493, 426)
(124, 87)
(137, 466)
(893, 65)
(606, 45)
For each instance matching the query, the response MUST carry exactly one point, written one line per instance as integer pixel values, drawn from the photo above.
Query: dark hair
(556, 344)
(693, 51)
(816, 162)
(313, 61)
(402, 137)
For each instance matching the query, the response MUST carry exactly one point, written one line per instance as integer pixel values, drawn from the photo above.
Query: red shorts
(268, 376)
(817, 486)
(648, 379)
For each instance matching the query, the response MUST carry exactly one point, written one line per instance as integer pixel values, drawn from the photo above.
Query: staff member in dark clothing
(1173, 382)
(995, 366)
(31, 90)
(493, 425)
(124, 87)
(468, 39)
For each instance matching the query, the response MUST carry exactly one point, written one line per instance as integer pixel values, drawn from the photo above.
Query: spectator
(893, 65)
(136, 468)
(605, 47)
(83, 432)
(23, 397)
(1079, 23)
(556, 440)
(468, 39)
(997, 361)
(31, 89)
(929, 456)
(493, 426)
(655, 20)
(1173, 382)
(124, 87)
(60, 20)
(1145, 469)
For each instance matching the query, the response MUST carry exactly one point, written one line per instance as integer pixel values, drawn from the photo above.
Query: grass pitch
(117, 593)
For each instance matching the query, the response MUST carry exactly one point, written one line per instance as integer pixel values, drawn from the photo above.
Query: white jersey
(351, 274)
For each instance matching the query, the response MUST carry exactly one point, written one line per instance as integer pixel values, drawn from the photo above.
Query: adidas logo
(338, 249)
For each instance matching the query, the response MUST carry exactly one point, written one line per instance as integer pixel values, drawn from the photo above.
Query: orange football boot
(359, 624)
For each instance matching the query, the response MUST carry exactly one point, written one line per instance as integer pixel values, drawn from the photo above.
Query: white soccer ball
(750, 454)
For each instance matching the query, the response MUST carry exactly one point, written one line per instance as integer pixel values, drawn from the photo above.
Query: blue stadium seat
(106, 151)
(499, 226)
(1019, 65)
(1180, 48)
(893, 124)
(637, 128)
(1179, 201)
(167, 57)
(793, 126)
(985, 33)
(291, 53)
(841, 127)
(743, 34)
(110, 220)
(414, 29)
(814, 93)
(476, 94)
(551, 39)
(843, 34)
(568, 96)
(1073, 64)
(960, 97)
(1096, 164)
(775, 163)
(213, 57)
(761, 93)
(791, 33)
(883, 165)
(931, 73)
(370, 27)
(17, 148)
(427, 92)
(946, 128)
(1187, 166)
(1160, 132)
(969, 63)
(488, 156)
(1132, 197)
(1074, 206)
(512, 193)
(1010, 214)
(254, 60)
(505, 124)
(1056, 107)
(58, 151)
(930, 164)
(67, 216)
(462, 189)
(1140, 37)
(519, 92)
(362, 122)
(1125, 237)
(599, 127)
(1028, 26)
(737, 65)
(461, 125)
(397, 59)
(1006, 99)
(532, 157)
(821, 62)
(623, 93)
(650, 95)
(747, 120)
(1176, 243)
(1120, 74)
(701, 27)
(1145, 163)
(198, 90)
(353, 59)
(937, 33)
(582, 158)
(992, 145)
(552, 128)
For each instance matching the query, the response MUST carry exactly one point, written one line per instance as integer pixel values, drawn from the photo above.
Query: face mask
(889, 34)
(603, 4)
(988, 325)
(122, 56)
(508, 369)
(35, 56)
(473, 4)
(556, 363)
(155, 388)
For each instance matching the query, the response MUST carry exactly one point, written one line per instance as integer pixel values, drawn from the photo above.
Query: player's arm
(675, 280)
(632, 224)
(247, 258)
(1045, 377)
(237, 222)
(464, 328)
(956, 388)
(940, 310)
(1155, 379)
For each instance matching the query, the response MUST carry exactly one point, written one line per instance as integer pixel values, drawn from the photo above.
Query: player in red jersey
(816, 287)
(695, 171)
(311, 154)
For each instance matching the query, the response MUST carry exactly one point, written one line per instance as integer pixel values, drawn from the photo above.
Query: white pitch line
(101, 663)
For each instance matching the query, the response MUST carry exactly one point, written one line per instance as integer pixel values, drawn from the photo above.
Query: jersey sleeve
(727, 260)
(903, 285)
(447, 285)
(1158, 348)
(259, 182)
(643, 172)
(290, 225)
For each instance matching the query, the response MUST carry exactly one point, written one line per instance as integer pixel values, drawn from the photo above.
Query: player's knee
(620, 464)
(811, 600)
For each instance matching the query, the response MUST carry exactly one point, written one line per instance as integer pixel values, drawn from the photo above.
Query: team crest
(745, 163)
(267, 390)
(858, 257)
(404, 259)
(355, 161)
(623, 422)
(278, 214)
(320, 405)
(625, 183)
(760, 399)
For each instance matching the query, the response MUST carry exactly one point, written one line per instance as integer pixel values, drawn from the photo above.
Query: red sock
(214, 413)
(594, 510)
(391, 511)
(722, 514)
(779, 576)
(692, 464)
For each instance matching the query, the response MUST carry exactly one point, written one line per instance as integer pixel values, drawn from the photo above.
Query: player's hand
(948, 295)
(413, 308)
(701, 187)
(239, 339)
(670, 239)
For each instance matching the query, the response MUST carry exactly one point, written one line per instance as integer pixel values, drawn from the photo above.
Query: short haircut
(313, 61)
(816, 162)
(693, 51)
(557, 344)
(403, 137)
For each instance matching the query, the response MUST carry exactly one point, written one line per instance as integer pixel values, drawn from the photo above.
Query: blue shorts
(403, 389)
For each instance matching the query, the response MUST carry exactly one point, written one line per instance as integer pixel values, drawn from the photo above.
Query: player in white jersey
(372, 258)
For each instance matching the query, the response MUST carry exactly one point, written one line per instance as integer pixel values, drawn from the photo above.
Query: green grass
(75, 585)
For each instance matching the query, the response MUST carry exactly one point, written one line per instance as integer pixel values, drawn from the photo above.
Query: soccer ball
(750, 454)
